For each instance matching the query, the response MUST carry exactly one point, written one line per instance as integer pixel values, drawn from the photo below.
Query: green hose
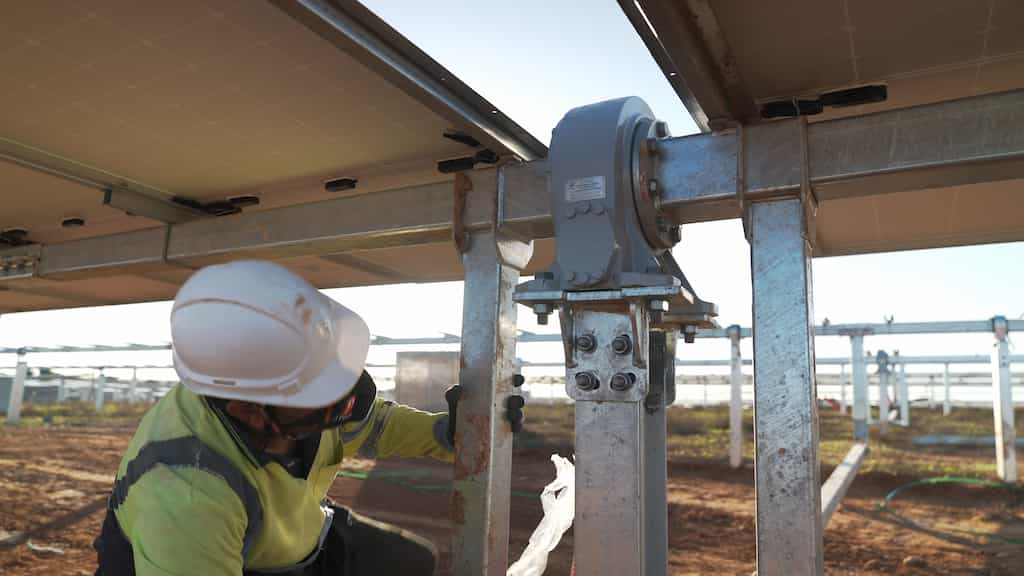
(884, 505)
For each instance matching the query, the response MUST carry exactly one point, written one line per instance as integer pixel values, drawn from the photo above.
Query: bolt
(675, 234)
(622, 345)
(689, 333)
(658, 308)
(623, 381)
(586, 343)
(652, 146)
(542, 310)
(586, 381)
(661, 129)
(652, 186)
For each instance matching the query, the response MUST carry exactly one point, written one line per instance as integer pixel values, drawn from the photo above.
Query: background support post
(861, 400)
(1002, 404)
(17, 389)
(735, 399)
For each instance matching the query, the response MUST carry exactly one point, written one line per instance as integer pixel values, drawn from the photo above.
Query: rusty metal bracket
(463, 185)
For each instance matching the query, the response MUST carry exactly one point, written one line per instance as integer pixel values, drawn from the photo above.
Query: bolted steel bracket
(614, 368)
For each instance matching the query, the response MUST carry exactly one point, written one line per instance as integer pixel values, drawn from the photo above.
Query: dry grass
(82, 414)
(699, 433)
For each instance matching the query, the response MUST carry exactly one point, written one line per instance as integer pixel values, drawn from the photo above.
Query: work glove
(513, 408)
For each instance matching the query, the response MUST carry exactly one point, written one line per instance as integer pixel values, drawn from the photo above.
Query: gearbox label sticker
(582, 189)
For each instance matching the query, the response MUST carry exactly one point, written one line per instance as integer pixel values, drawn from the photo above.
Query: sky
(535, 60)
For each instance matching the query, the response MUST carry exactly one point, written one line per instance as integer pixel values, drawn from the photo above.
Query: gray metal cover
(422, 377)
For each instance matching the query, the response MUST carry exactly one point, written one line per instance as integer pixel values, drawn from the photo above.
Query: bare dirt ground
(54, 479)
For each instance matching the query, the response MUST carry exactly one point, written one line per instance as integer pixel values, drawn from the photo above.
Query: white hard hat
(255, 331)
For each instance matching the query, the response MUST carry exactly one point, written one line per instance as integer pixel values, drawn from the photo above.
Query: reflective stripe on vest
(190, 452)
(369, 447)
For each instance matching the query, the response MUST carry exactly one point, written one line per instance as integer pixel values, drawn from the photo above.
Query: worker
(228, 473)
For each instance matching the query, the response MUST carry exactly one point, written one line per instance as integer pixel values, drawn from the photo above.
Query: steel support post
(1002, 407)
(789, 528)
(735, 399)
(894, 381)
(842, 389)
(17, 390)
(654, 451)
(904, 395)
(947, 406)
(62, 391)
(483, 443)
(861, 400)
(871, 415)
(101, 384)
(620, 526)
(883, 393)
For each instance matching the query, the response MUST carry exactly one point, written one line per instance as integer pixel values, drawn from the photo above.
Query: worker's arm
(184, 522)
(396, 430)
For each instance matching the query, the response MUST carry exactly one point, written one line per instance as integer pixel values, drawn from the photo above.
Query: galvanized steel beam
(972, 140)
(697, 61)
(789, 530)
(835, 487)
(980, 139)
(360, 34)
(483, 441)
(120, 192)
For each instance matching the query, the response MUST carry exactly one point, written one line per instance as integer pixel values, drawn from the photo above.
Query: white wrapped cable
(559, 502)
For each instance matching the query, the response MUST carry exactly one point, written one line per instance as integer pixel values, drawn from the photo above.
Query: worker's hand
(513, 408)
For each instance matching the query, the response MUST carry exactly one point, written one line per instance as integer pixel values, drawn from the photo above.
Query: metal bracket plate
(603, 327)
(20, 262)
